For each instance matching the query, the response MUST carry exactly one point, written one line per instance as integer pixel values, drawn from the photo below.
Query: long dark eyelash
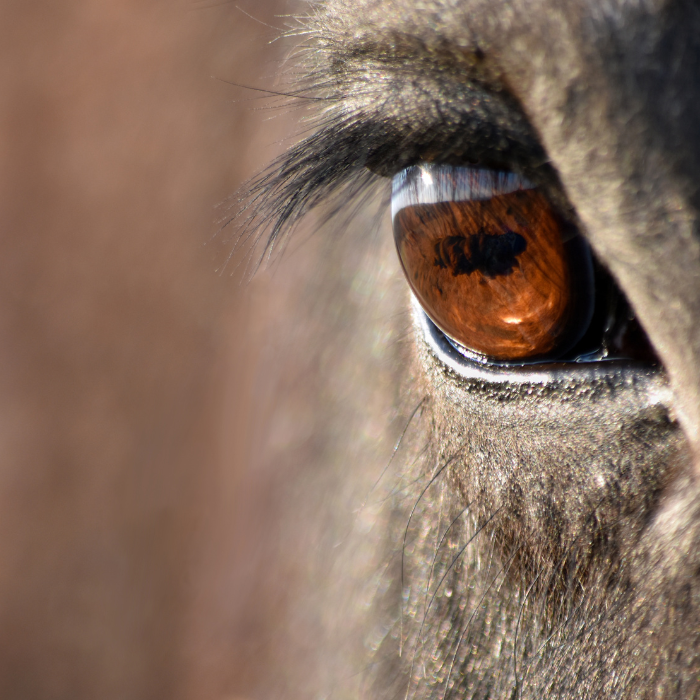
(378, 123)
(326, 167)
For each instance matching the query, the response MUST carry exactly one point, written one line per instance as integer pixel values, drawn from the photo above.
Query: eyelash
(321, 169)
(350, 150)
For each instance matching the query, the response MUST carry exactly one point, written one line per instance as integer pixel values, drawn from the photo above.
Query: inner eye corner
(504, 276)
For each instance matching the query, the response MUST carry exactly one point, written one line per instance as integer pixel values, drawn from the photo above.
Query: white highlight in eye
(426, 177)
(430, 184)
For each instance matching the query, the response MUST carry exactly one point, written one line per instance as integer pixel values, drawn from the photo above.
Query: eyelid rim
(555, 374)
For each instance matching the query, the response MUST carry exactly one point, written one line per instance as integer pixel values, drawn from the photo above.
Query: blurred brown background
(131, 522)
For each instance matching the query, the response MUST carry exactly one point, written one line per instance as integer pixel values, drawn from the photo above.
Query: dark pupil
(490, 254)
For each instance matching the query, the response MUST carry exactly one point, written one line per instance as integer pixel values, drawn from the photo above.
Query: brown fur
(572, 571)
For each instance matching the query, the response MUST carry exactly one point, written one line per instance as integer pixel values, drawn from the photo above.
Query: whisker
(518, 688)
(437, 588)
(259, 21)
(406, 490)
(418, 407)
(405, 534)
(276, 93)
(503, 570)
(442, 539)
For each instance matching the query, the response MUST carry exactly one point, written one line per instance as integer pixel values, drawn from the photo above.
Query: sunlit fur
(530, 541)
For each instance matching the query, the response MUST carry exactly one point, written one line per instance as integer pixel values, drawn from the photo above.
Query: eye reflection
(491, 262)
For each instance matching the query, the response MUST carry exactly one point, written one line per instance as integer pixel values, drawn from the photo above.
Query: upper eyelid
(474, 126)
(436, 100)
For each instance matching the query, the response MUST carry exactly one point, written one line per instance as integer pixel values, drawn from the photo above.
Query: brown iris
(498, 275)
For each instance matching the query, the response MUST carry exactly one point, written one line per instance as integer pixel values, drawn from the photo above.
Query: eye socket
(491, 262)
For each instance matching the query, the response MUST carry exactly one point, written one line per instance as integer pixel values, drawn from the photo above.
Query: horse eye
(491, 262)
